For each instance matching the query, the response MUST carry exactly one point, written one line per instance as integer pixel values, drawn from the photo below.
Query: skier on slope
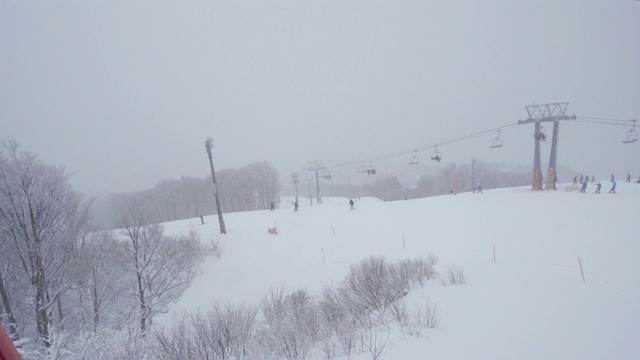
(351, 203)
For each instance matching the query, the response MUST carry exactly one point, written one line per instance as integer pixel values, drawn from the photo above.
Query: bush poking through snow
(375, 284)
(223, 332)
(354, 316)
(454, 275)
(432, 259)
(416, 270)
(290, 327)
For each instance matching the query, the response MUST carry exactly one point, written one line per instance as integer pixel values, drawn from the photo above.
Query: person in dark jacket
(351, 203)
(598, 186)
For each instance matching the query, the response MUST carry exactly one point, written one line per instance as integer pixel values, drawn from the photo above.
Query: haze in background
(125, 93)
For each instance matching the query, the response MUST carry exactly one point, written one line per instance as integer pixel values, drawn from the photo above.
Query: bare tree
(6, 310)
(162, 266)
(97, 272)
(41, 216)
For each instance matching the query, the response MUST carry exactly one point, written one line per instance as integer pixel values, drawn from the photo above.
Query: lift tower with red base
(538, 114)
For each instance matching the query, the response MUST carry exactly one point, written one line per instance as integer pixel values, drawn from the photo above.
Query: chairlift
(632, 135)
(540, 135)
(371, 170)
(361, 168)
(497, 142)
(414, 160)
(436, 154)
(325, 174)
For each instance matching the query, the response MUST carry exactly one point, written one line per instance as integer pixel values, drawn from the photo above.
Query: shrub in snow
(416, 270)
(429, 315)
(339, 332)
(223, 332)
(454, 275)
(354, 316)
(432, 259)
(290, 327)
(376, 339)
(375, 285)
(423, 316)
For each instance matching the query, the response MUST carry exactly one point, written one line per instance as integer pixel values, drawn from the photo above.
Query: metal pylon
(553, 112)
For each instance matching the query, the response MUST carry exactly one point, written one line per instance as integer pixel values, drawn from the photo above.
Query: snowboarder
(613, 187)
(575, 180)
(295, 206)
(584, 187)
(479, 190)
(273, 207)
(351, 203)
(598, 186)
(628, 177)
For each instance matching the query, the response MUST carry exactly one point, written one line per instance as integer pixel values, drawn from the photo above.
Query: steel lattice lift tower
(538, 114)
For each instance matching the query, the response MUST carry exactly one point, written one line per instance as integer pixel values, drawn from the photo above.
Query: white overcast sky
(124, 94)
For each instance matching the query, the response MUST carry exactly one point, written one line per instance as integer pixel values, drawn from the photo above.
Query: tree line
(248, 188)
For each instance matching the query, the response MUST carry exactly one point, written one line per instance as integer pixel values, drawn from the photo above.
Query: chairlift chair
(497, 142)
(541, 134)
(325, 174)
(632, 135)
(361, 168)
(414, 159)
(371, 170)
(436, 156)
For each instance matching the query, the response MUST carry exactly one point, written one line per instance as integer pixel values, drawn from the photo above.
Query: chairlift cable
(507, 127)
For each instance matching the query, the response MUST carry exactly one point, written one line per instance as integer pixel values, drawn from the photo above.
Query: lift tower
(316, 166)
(538, 114)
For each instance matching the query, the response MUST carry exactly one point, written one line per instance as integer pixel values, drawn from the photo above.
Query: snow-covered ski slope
(531, 303)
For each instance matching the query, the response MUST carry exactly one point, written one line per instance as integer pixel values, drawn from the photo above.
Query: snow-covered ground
(531, 303)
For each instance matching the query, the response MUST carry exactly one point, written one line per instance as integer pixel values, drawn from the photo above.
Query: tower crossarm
(547, 112)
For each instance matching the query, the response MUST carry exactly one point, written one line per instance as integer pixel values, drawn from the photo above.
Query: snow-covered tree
(161, 267)
(41, 215)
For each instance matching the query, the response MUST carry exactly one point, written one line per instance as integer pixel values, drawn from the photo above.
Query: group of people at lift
(585, 179)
